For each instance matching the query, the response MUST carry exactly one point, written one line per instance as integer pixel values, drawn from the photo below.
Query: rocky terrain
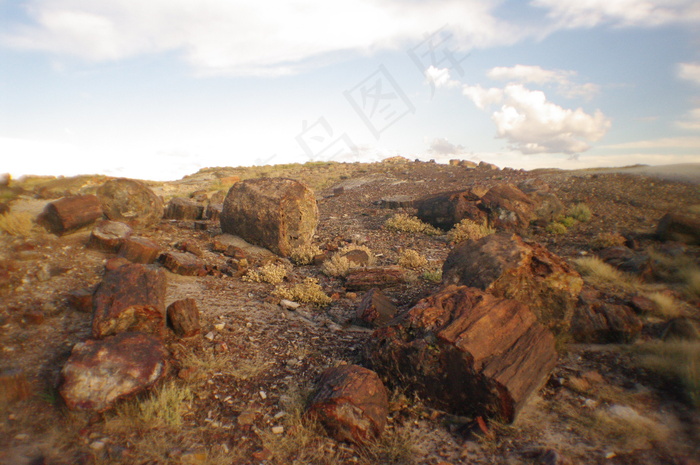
(135, 330)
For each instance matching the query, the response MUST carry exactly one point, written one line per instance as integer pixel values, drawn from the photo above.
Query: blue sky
(159, 89)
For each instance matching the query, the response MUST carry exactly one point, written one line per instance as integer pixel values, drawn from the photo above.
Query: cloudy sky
(158, 89)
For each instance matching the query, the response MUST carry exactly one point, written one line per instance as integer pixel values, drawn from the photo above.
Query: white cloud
(251, 38)
(689, 71)
(642, 13)
(692, 121)
(482, 97)
(538, 75)
(439, 77)
(666, 142)
(441, 147)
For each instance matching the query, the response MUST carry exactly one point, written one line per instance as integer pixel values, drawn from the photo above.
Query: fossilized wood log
(70, 213)
(139, 250)
(183, 317)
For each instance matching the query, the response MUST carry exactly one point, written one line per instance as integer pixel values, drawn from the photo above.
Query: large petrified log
(99, 372)
(108, 236)
(130, 298)
(70, 213)
(351, 402)
(375, 309)
(131, 202)
(446, 209)
(362, 279)
(183, 209)
(506, 266)
(467, 352)
(276, 213)
(139, 250)
(508, 208)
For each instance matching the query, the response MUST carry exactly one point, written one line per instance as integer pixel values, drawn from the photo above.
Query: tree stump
(139, 250)
(183, 317)
(70, 213)
(108, 236)
(184, 263)
(130, 298)
(183, 209)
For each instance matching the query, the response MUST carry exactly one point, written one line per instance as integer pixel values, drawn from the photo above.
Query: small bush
(412, 260)
(434, 276)
(679, 361)
(404, 223)
(16, 224)
(165, 406)
(468, 229)
(270, 273)
(337, 266)
(609, 239)
(304, 255)
(307, 292)
(556, 229)
(580, 212)
(567, 221)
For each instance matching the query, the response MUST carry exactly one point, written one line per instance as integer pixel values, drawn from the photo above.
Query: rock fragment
(71, 213)
(131, 202)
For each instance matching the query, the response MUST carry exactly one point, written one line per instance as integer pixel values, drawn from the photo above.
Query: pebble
(210, 336)
(263, 395)
(289, 305)
(97, 445)
(219, 326)
(277, 429)
(22, 437)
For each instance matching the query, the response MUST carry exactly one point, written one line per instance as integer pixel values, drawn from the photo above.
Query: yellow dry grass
(17, 223)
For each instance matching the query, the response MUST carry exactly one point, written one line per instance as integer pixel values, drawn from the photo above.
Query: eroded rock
(508, 208)
(131, 202)
(375, 309)
(108, 236)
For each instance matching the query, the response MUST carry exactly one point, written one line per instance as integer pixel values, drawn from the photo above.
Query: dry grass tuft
(679, 361)
(404, 223)
(691, 278)
(580, 212)
(468, 230)
(270, 273)
(609, 239)
(208, 364)
(666, 306)
(598, 273)
(337, 266)
(16, 224)
(412, 260)
(307, 292)
(163, 407)
(304, 255)
(681, 269)
(556, 228)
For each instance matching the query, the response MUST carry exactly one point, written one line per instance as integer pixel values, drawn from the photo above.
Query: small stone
(210, 336)
(97, 445)
(22, 437)
(289, 305)
(219, 326)
(279, 415)
(263, 395)
(277, 429)
(262, 455)
(247, 417)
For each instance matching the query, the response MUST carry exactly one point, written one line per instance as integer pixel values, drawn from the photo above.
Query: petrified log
(351, 402)
(183, 317)
(213, 211)
(376, 309)
(70, 213)
(506, 266)
(99, 372)
(446, 209)
(597, 321)
(184, 263)
(276, 213)
(109, 236)
(139, 250)
(380, 276)
(681, 228)
(508, 208)
(131, 202)
(183, 209)
(81, 300)
(130, 298)
(466, 352)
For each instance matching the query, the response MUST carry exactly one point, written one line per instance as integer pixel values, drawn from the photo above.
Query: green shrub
(270, 273)
(304, 255)
(580, 212)
(556, 228)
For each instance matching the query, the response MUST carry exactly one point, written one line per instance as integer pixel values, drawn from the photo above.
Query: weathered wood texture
(70, 213)
(183, 317)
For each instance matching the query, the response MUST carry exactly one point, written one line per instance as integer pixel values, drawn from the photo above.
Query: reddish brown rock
(108, 236)
(213, 211)
(139, 250)
(596, 321)
(190, 247)
(115, 262)
(183, 317)
(382, 276)
(351, 403)
(183, 209)
(130, 298)
(99, 372)
(276, 213)
(446, 209)
(680, 228)
(508, 208)
(14, 386)
(71, 213)
(508, 267)
(235, 252)
(131, 202)
(466, 352)
(81, 300)
(375, 309)
(184, 263)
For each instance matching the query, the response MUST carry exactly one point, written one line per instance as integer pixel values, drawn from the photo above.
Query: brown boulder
(362, 279)
(183, 209)
(596, 321)
(446, 209)
(466, 352)
(183, 317)
(351, 403)
(375, 309)
(99, 372)
(130, 298)
(108, 236)
(139, 250)
(184, 263)
(508, 208)
(276, 213)
(506, 266)
(680, 228)
(71, 213)
(131, 202)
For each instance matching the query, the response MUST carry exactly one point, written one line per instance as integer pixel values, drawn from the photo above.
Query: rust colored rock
(487, 166)
(71, 213)
(130, 298)
(81, 300)
(449, 208)
(380, 277)
(680, 228)
(108, 236)
(14, 386)
(466, 352)
(183, 209)
(213, 211)
(235, 252)
(183, 317)
(139, 250)
(276, 213)
(131, 202)
(99, 372)
(508, 208)
(508, 267)
(351, 403)
(596, 321)
(116, 262)
(376, 309)
(184, 263)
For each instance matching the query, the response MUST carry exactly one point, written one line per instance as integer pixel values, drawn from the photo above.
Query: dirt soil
(257, 359)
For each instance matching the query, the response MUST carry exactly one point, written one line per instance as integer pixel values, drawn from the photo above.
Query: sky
(158, 89)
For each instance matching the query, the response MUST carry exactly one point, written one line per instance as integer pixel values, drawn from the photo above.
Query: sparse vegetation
(404, 223)
(567, 221)
(607, 239)
(336, 266)
(163, 407)
(16, 223)
(679, 361)
(304, 255)
(433, 276)
(307, 292)
(598, 273)
(271, 273)
(666, 305)
(556, 228)
(680, 268)
(468, 230)
(412, 260)
(580, 212)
